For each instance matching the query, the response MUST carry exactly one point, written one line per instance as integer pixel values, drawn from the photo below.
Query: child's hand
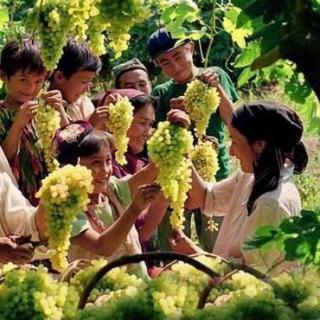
(179, 242)
(179, 117)
(210, 77)
(99, 118)
(25, 114)
(54, 99)
(177, 103)
(144, 196)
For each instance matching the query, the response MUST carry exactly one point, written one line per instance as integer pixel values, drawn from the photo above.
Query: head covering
(68, 138)
(276, 124)
(282, 129)
(161, 41)
(132, 64)
(130, 93)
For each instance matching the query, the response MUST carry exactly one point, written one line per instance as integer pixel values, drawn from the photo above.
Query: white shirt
(229, 198)
(17, 216)
(82, 109)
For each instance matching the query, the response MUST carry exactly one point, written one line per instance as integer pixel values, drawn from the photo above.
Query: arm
(11, 143)
(154, 215)
(107, 242)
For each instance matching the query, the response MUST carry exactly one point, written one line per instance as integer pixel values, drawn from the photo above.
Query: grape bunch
(117, 282)
(120, 17)
(168, 148)
(120, 116)
(204, 158)
(51, 22)
(64, 194)
(201, 101)
(47, 122)
(33, 295)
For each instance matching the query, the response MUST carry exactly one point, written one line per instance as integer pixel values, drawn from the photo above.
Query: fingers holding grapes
(179, 117)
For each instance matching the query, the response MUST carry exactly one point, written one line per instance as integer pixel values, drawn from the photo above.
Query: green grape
(64, 194)
(120, 17)
(51, 22)
(201, 101)
(117, 282)
(167, 148)
(47, 122)
(119, 121)
(34, 295)
(205, 159)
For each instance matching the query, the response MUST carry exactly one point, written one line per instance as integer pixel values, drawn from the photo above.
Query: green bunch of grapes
(205, 159)
(64, 194)
(120, 116)
(168, 148)
(201, 101)
(34, 295)
(47, 122)
(116, 282)
(51, 23)
(120, 17)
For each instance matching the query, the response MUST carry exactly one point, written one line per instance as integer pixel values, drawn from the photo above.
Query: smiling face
(177, 64)
(246, 153)
(23, 86)
(100, 165)
(141, 128)
(75, 86)
(135, 79)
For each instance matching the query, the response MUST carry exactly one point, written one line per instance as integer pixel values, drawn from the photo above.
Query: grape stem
(150, 256)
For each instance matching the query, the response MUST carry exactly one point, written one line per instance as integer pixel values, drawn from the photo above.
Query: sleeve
(87, 108)
(18, 216)
(218, 196)
(5, 167)
(161, 108)
(227, 84)
(266, 212)
(121, 189)
(80, 225)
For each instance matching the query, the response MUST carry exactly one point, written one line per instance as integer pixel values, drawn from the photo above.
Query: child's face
(100, 165)
(74, 87)
(177, 64)
(24, 86)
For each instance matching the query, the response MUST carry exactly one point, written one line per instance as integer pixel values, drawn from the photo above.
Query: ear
(3, 77)
(59, 77)
(258, 146)
(190, 46)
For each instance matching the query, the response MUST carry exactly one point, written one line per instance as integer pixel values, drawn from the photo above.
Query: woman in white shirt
(265, 138)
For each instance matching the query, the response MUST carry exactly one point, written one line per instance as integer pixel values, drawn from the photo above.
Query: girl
(265, 138)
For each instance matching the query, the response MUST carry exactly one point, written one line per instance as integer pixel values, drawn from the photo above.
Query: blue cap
(161, 41)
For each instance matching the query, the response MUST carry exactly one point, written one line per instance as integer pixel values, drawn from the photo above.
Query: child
(73, 77)
(107, 228)
(23, 73)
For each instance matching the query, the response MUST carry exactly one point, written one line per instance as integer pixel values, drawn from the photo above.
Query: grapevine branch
(212, 33)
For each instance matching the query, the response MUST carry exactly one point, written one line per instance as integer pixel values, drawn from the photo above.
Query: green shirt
(170, 89)
(105, 212)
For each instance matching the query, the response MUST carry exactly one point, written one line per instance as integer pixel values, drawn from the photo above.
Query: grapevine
(64, 194)
(167, 148)
(47, 122)
(201, 101)
(119, 121)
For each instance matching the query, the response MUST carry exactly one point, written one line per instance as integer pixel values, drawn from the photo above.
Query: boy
(22, 71)
(73, 77)
(176, 61)
(132, 74)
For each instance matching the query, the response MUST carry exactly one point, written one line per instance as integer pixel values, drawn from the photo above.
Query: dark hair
(88, 146)
(282, 129)
(24, 56)
(140, 102)
(77, 57)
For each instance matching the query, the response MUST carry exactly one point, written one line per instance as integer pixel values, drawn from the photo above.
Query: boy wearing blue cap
(175, 58)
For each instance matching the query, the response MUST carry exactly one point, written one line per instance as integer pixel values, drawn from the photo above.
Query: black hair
(140, 102)
(21, 55)
(77, 57)
(88, 146)
(282, 129)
